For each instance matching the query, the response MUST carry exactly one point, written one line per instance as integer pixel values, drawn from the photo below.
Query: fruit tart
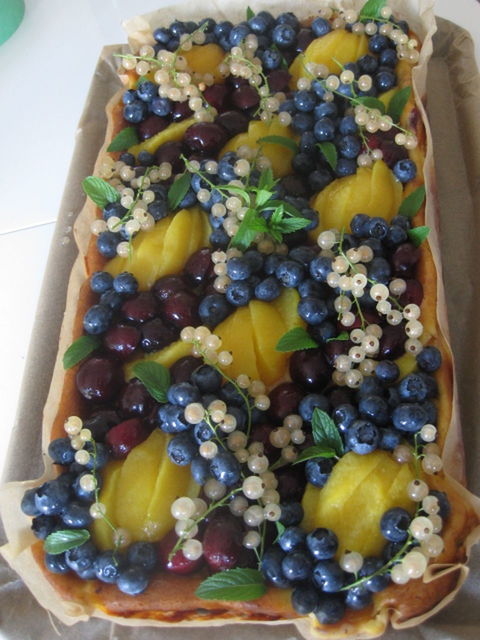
(253, 412)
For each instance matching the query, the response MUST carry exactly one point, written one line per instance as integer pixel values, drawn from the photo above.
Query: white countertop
(46, 71)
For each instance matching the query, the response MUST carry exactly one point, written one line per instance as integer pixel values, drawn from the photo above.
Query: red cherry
(413, 293)
(183, 368)
(171, 152)
(179, 563)
(222, 542)
(233, 121)
(181, 111)
(125, 436)
(134, 400)
(199, 267)
(140, 308)
(167, 286)
(217, 96)
(284, 400)
(309, 369)
(122, 340)
(245, 97)
(180, 310)
(151, 126)
(207, 137)
(98, 379)
(278, 80)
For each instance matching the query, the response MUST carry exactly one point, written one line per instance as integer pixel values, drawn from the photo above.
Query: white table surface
(46, 68)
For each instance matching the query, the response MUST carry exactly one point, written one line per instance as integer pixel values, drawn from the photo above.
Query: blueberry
(319, 89)
(81, 559)
(161, 35)
(330, 610)
(183, 393)
(358, 597)
(225, 468)
(302, 122)
(80, 493)
(309, 403)
(319, 179)
(308, 143)
(374, 408)
(77, 516)
(239, 268)
(268, 289)
(28, 505)
(389, 439)
(238, 34)
(132, 581)
(51, 498)
(303, 255)
(56, 563)
(388, 58)
(409, 417)
(393, 397)
(377, 582)
(310, 287)
(343, 415)
(129, 96)
(320, 267)
(222, 29)
(303, 163)
(272, 262)
(370, 387)
(258, 24)
(324, 130)
(385, 80)
(401, 221)
(177, 28)
(377, 228)
(359, 225)
(292, 513)
(200, 470)
(171, 418)
(101, 457)
(271, 59)
(111, 299)
(429, 359)
(317, 471)
(313, 310)
(147, 90)
(297, 566)
(443, 501)
(101, 281)
(239, 293)
(379, 270)
(328, 576)
(181, 449)
(61, 452)
(161, 208)
(394, 524)
(405, 170)
(305, 599)
(107, 242)
(368, 64)
(284, 36)
(362, 437)
(143, 555)
(207, 379)
(42, 526)
(292, 538)
(125, 284)
(272, 567)
(97, 319)
(412, 388)
(290, 273)
(304, 100)
(213, 309)
(321, 27)
(289, 18)
(240, 416)
(349, 146)
(395, 236)
(161, 106)
(348, 126)
(387, 371)
(106, 566)
(377, 43)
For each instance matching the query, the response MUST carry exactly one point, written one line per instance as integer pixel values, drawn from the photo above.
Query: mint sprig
(418, 235)
(125, 139)
(60, 541)
(233, 585)
(79, 350)
(398, 103)
(178, 190)
(329, 152)
(99, 191)
(155, 377)
(325, 432)
(413, 202)
(371, 10)
(296, 339)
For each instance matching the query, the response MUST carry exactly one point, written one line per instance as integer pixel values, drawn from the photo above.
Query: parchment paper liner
(17, 551)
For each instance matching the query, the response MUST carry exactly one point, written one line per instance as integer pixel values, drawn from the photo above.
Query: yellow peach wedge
(102, 533)
(206, 59)
(173, 133)
(268, 328)
(236, 333)
(167, 356)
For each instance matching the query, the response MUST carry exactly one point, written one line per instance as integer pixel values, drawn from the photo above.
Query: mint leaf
(371, 9)
(289, 225)
(418, 235)
(125, 139)
(79, 349)
(155, 377)
(412, 203)
(60, 541)
(315, 452)
(262, 197)
(398, 102)
(295, 340)
(250, 13)
(341, 336)
(178, 190)
(371, 103)
(329, 152)
(325, 432)
(99, 191)
(266, 180)
(280, 530)
(233, 585)
(280, 140)
(248, 229)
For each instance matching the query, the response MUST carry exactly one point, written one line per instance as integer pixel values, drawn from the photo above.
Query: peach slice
(268, 328)
(167, 356)
(101, 531)
(286, 304)
(173, 133)
(359, 491)
(236, 333)
(206, 59)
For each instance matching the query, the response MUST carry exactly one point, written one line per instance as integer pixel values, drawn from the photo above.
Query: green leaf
(289, 225)
(79, 349)
(398, 102)
(325, 432)
(371, 9)
(250, 13)
(100, 191)
(280, 530)
(412, 203)
(248, 229)
(315, 452)
(262, 197)
(280, 140)
(178, 190)
(60, 541)
(155, 377)
(418, 234)
(232, 188)
(341, 336)
(295, 340)
(266, 180)
(233, 585)
(329, 151)
(371, 103)
(283, 61)
(125, 139)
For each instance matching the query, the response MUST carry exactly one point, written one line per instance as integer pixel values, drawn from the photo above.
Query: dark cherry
(291, 483)
(304, 38)
(309, 369)
(392, 342)
(233, 122)
(371, 317)
(413, 294)
(217, 96)
(208, 137)
(405, 259)
(261, 433)
(151, 126)
(222, 542)
(100, 422)
(334, 349)
(199, 267)
(180, 310)
(122, 340)
(235, 82)
(245, 97)
(140, 308)
(171, 152)
(134, 400)
(295, 186)
(284, 400)
(392, 153)
(279, 80)
(124, 436)
(182, 369)
(167, 286)
(98, 379)
(340, 395)
(181, 111)
(179, 563)
(156, 335)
